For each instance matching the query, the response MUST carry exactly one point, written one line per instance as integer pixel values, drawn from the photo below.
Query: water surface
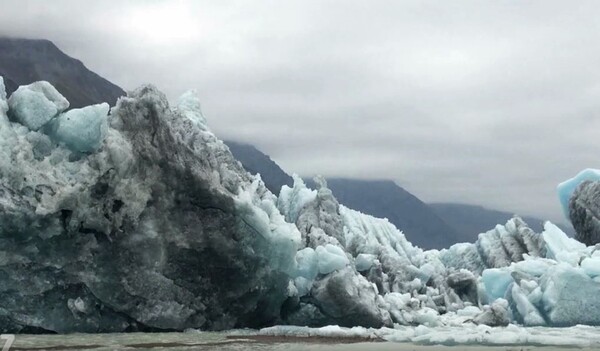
(223, 341)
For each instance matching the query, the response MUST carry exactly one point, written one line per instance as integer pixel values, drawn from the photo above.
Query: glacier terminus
(137, 217)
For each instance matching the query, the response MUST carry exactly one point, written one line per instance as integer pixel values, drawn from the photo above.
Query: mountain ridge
(23, 61)
(471, 220)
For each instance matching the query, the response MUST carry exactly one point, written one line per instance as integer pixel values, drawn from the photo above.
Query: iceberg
(567, 188)
(583, 211)
(331, 258)
(579, 200)
(556, 290)
(158, 228)
(138, 218)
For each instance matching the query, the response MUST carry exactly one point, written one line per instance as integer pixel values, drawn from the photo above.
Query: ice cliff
(137, 218)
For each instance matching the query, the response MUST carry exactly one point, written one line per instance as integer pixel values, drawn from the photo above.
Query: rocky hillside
(23, 61)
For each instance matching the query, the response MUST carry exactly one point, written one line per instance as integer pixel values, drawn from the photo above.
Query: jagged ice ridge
(139, 218)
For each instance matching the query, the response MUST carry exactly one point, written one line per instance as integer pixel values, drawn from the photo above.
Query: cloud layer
(489, 103)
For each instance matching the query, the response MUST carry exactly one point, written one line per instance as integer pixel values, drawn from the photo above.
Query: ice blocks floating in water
(559, 290)
(36, 104)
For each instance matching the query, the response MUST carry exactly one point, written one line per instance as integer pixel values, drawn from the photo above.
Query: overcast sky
(482, 102)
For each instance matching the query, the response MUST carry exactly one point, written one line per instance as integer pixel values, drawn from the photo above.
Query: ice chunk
(570, 296)
(469, 311)
(584, 212)
(426, 271)
(303, 286)
(307, 263)
(560, 247)
(495, 248)
(36, 104)
(496, 282)
(331, 258)
(566, 188)
(81, 129)
(529, 313)
(364, 262)
(591, 266)
(496, 314)
(280, 239)
(349, 298)
(292, 200)
(189, 105)
(534, 267)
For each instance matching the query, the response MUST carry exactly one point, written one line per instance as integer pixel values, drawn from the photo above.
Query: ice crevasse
(138, 218)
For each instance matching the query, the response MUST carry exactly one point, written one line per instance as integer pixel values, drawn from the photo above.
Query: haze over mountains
(23, 61)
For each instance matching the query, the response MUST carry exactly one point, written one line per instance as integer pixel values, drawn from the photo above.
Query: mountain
(23, 61)
(254, 161)
(470, 220)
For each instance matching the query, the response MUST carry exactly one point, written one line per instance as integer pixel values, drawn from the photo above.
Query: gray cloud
(489, 103)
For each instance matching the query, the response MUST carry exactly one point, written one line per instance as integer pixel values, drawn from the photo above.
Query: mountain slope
(254, 161)
(23, 61)
(470, 220)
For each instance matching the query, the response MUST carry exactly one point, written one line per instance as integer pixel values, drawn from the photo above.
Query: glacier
(137, 217)
(158, 229)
